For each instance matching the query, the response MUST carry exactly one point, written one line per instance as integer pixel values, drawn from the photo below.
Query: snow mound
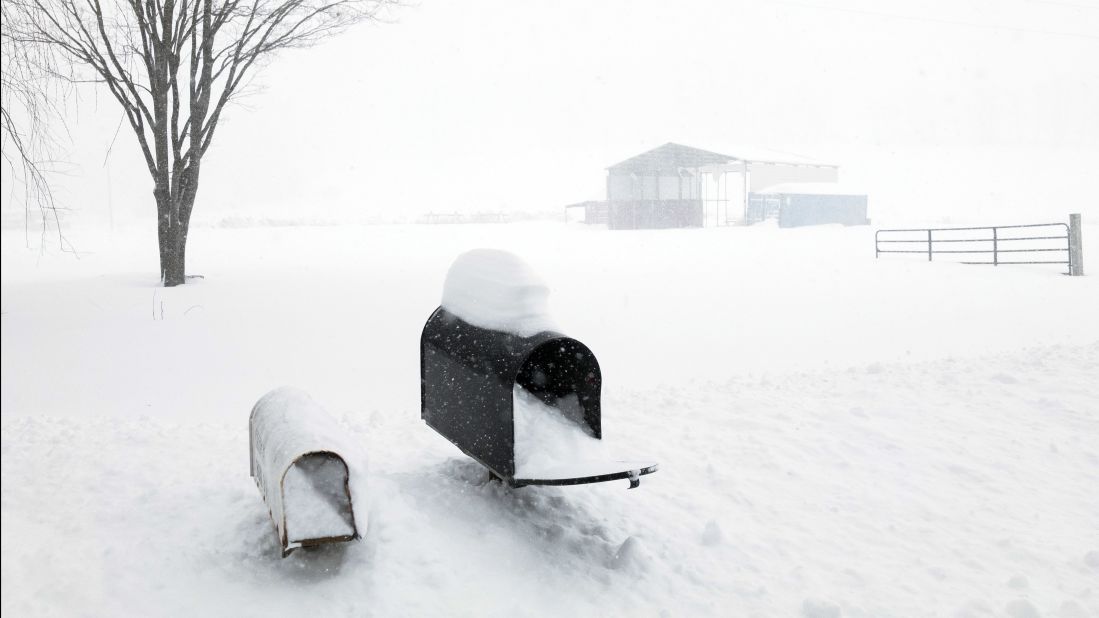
(820, 608)
(712, 534)
(1092, 559)
(497, 290)
(631, 556)
(1021, 608)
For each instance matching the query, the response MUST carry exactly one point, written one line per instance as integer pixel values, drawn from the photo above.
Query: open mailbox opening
(564, 374)
(316, 501)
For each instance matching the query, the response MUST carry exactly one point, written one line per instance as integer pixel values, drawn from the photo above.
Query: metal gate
(1038, 243)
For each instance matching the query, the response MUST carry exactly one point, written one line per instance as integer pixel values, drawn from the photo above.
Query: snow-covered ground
(837, 435)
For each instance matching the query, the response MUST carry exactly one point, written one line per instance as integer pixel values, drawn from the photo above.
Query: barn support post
(1075, 246)
(744, 177)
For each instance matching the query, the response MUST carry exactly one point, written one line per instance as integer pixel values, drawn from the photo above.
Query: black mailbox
(467, 379)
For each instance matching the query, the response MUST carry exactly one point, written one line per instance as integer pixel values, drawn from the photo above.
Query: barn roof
(670, 157)
(587, 204)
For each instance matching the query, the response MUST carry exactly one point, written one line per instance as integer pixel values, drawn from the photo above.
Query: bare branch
(32, 89)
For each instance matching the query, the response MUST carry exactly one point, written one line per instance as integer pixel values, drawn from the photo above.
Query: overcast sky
(512, 105)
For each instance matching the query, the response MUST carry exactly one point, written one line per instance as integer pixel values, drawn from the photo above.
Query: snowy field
(838, 435)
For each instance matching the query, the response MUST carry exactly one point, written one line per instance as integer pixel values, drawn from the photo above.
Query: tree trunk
(162, 227)
(174, 271)
(173, 225)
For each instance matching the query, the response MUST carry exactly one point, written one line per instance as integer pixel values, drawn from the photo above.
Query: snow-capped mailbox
(304, 482)
(512, 393)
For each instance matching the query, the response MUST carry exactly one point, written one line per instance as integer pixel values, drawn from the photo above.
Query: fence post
(1075, 246)
(995, 249)
(928, 245)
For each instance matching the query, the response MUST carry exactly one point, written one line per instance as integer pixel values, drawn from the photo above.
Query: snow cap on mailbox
(498, 291)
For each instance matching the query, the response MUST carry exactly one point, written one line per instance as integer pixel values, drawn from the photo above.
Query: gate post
(1075, 246)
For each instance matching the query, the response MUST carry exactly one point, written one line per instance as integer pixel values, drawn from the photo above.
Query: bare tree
(173, 65)
(29, 100)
